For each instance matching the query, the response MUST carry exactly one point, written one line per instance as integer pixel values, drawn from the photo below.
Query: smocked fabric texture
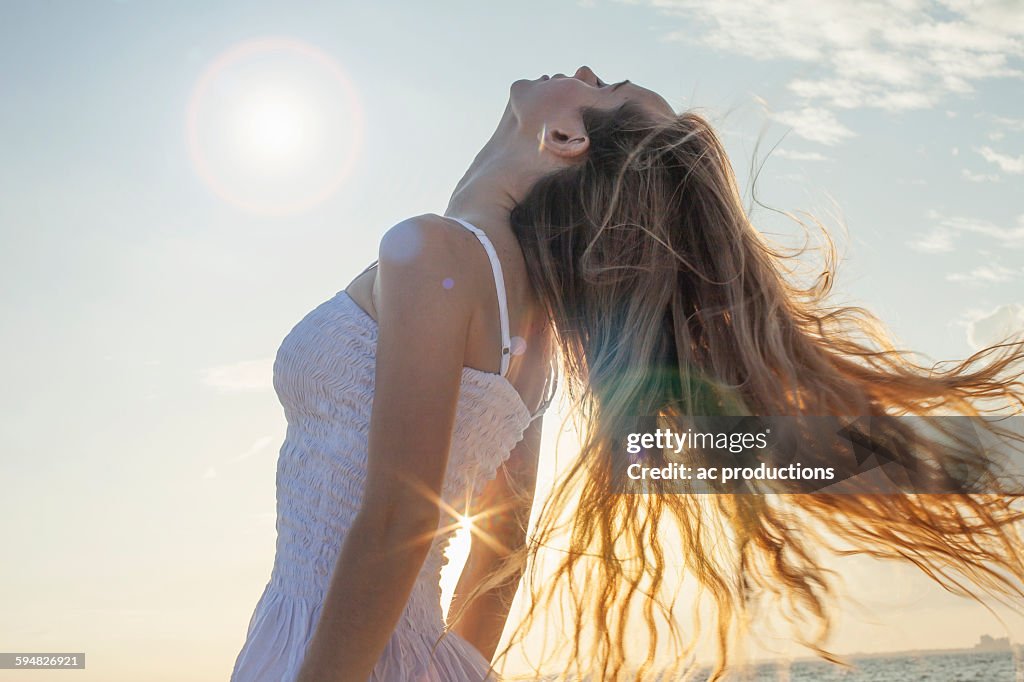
(324, 378)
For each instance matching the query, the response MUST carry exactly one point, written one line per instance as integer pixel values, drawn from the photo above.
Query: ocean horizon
(939, 666)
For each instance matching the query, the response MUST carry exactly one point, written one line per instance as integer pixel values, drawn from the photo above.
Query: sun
(274, 126)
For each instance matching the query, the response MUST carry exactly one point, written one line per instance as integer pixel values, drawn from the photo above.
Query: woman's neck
(501, 174)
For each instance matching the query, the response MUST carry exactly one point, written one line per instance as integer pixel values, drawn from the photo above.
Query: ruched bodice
(324, 378)
(323, 375)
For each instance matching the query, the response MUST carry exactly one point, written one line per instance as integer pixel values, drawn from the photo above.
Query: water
(953, 666)
(935, 667)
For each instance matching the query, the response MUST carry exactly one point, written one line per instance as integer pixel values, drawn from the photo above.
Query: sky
(183, 181)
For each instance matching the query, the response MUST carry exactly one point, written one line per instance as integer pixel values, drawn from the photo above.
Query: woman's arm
(422, 328)
(498, 529)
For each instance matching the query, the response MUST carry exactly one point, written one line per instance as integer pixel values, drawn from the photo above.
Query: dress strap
(499, 284)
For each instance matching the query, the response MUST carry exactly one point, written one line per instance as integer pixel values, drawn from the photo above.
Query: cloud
(936, 241)
(800, 156)
(1009, 237)
(1008, 164)
(948, 228)
(992, 273)
(261, 523)
(988, 328)
(249, 375)
(893, 55)
(1002, 125)
(1013, 124)
(971, 176)
(815, 124)
(258, 445)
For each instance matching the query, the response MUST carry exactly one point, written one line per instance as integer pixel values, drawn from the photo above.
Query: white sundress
(324, 377)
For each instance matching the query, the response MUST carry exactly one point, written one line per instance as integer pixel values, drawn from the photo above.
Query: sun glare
(274, 126)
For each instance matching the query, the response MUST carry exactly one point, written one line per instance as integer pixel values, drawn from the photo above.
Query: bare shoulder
(422, 240)
(423, 256)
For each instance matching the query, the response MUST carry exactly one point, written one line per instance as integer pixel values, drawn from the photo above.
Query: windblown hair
(665, 300)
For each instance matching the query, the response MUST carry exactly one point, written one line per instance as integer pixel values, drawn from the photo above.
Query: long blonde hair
(665, 299)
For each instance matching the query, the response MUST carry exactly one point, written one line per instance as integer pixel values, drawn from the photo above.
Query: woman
(598, 227)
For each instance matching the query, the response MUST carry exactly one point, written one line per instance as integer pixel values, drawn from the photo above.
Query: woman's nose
(585, 74)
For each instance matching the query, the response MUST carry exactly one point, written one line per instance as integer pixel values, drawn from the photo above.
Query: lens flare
(274, 126)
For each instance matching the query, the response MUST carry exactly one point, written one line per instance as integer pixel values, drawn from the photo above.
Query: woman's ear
(564, 141)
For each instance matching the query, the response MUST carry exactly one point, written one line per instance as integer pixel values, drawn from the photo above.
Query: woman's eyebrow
(618, 84)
